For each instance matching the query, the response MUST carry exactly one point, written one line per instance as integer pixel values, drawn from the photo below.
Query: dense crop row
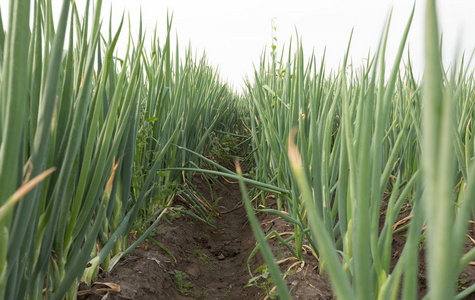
(93, 146)
(357, 142)
(84, 138)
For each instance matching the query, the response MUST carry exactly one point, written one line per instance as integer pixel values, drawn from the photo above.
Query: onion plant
(93, 146)
(73, 176)
(363, 140)
(64, 123)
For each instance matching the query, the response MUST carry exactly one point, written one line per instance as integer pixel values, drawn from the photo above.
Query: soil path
(218, 265)
(210, 263)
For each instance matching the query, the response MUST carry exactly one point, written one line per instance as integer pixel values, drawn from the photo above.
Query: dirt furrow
(210, 263)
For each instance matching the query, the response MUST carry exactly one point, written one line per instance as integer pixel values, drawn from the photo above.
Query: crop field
(145, 176)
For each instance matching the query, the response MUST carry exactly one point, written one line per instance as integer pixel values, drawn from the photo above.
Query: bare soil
(212, 263)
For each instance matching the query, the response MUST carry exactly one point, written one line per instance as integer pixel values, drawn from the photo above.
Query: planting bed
(97, 147)
(210, 264)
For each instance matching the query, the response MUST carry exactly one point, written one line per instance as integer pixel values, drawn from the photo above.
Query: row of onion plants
(350, 144)
(84, 138)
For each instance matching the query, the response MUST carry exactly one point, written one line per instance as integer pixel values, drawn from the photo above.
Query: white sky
(234, 33)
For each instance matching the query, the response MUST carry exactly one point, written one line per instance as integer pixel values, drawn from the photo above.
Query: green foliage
(93, 146)
(361, 137)
(228, 147)
(186, 287)
(263, 280)
(108, 126)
